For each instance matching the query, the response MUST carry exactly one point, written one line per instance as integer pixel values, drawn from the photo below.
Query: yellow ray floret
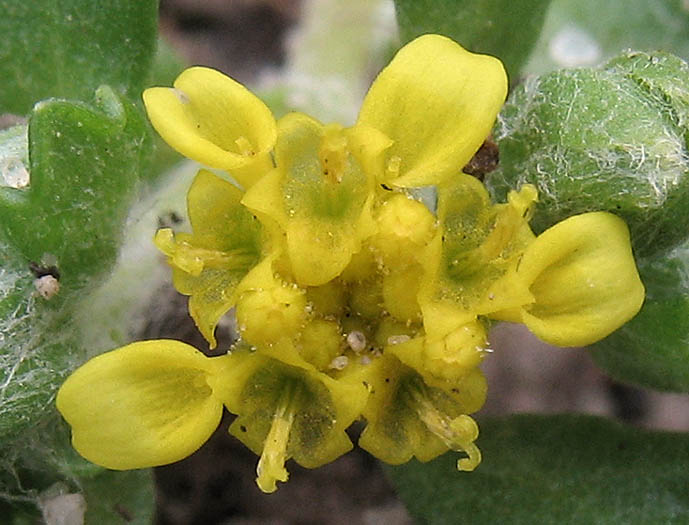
(287, 409)
(320, 195)
(409, 418)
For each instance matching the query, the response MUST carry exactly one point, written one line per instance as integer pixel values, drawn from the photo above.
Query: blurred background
(320, 57)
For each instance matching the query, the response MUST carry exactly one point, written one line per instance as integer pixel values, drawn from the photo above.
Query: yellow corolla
(353, 298)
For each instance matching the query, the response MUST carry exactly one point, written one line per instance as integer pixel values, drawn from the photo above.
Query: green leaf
(586, 32)
(120, 497)
(84, 168)
(35, 344)
(555, 469)
(69, 48)
(610, 139)
(66, 183)
(42, 474)
(19, 514)
(507, 29)
(652, 349)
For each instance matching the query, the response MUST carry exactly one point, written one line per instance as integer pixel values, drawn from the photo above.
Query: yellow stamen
(271, 466)
(333, 153)
(259, 165)
(193, 259)
(245, 147)
(457, 433)
(211, 258)
(392, 170)
(508, 221)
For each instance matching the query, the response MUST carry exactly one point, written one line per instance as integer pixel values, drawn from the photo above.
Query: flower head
(353, 298)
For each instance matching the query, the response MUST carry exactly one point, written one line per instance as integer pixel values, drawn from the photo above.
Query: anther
(333, 153)
(398, 339)
(339, 363)
(392, 170)
(356, 340)
(244, 146)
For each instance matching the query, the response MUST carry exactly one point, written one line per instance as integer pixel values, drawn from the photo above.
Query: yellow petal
(212, 119)
(319, 251)
(437, 102)
(584, 279)
(211, 296)
(146, 404)
(368, 145)
(264, 199)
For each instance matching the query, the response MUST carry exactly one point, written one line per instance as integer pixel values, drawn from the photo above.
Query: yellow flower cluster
(354, 299)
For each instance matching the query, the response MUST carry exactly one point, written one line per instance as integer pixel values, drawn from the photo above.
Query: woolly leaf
(609, 139)
(84, 166)
(83, 171)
